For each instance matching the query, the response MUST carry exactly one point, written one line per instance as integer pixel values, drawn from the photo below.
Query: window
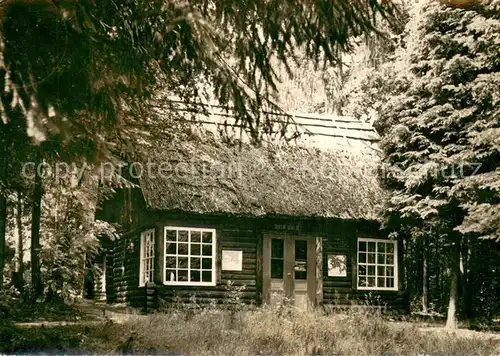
(103, 276)
(300, 259)
(147, 267)
(377, 264)
(277, 258)
(190, 256)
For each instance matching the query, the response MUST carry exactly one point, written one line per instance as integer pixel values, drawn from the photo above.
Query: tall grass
(291, 332)
(282, 331)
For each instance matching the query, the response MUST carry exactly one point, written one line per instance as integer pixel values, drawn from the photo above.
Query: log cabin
(295, 222)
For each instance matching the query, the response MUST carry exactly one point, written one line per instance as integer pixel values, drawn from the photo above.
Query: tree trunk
(3, 224)
(465, 257)
(440, 275)
(425, 276)
(451, 321)
(3, 206)
(36, 279)
(20, 242)
(84, 274)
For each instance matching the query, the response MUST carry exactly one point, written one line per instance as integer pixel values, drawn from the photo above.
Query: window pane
(381, 270)
(195, 263)
(371, 270)
(390, 271)
(206, 276)
(371, 258)
(362, 270)
(206, 263)
(171, 248)
(171, 235)
(183, 249)
(371, 281)
(207, 237)
(300, 250)
(277, 268)
(207, 250)
(182, 276)
(183, 235)
(390, 283)
(381, 247)
(381, 282)
(195, 236)
(277, 248)
(183, 262)
(362, 245)
(362, 282)
(195, 249)
(300, 269)
(170, 262)
(170, 275)
(371, 246)
(195, 276)
(362, 257)
(390, 247)
(381, 258)
(390, 259)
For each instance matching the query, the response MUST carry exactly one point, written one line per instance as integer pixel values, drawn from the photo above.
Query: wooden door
(289, 271)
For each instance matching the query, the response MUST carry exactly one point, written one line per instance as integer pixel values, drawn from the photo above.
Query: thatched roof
(204, 175)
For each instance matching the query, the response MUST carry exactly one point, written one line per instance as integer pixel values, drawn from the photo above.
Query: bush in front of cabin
(233, 296)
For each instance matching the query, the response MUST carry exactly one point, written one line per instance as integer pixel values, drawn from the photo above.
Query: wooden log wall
(333, 237)
(122, 272)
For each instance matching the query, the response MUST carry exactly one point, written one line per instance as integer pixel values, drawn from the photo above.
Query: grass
(257, 332)
(20, 310)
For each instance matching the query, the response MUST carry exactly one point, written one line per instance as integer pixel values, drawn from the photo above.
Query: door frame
(314, 266)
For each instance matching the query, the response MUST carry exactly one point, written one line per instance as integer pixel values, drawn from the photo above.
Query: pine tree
(442, 134)
(82, 75)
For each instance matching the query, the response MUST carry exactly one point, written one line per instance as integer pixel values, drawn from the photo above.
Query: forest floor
(118, 329)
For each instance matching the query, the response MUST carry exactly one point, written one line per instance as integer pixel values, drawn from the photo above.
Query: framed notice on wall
(232, 260)
(337, 266)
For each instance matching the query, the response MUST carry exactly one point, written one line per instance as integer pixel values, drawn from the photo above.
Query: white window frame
(103, 276)
(165, 255)
(395, 244)
(151, 257)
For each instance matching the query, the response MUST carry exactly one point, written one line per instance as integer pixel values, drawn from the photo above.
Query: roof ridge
(312, 124)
